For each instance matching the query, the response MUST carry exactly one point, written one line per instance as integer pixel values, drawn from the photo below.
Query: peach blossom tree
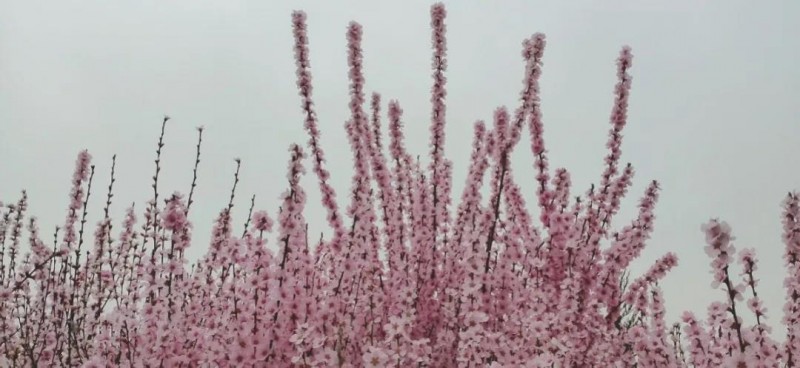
(411, 276)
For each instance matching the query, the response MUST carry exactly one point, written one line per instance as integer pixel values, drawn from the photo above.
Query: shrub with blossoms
(408, 278)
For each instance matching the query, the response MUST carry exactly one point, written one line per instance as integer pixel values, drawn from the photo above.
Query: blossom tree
(408, 277)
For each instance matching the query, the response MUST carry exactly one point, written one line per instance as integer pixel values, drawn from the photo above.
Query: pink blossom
(375, 358)
(262, 221)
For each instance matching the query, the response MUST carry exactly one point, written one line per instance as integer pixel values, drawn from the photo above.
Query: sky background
(714, 110)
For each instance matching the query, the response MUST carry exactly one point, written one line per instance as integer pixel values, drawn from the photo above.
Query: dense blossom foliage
(408, 278)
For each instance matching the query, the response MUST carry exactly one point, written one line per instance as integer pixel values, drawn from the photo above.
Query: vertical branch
(305, 88)
(154, 204)
(194, 170)
(438, 95)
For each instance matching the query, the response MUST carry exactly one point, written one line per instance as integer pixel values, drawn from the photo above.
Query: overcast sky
(714, 110)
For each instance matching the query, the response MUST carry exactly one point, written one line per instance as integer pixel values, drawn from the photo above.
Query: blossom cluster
(408, 277)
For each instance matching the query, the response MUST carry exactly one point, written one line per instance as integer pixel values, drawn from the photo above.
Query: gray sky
(714, 112)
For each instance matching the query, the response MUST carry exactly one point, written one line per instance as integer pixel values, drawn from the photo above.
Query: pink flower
(375, 357)
(262, 221)
(173, 220)
(475, 318)
(741, 360)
